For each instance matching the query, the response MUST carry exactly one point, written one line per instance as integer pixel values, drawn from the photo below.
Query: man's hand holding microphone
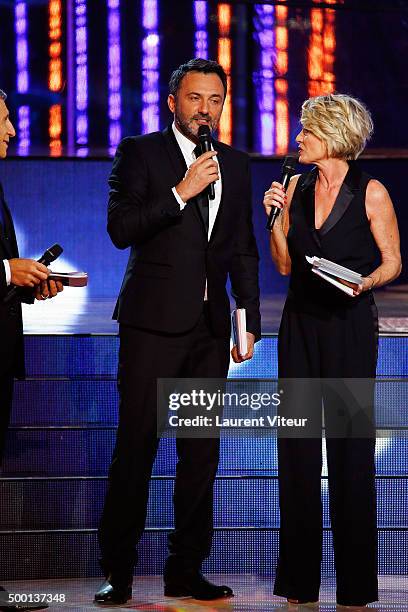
(199, 175)
(28, 273)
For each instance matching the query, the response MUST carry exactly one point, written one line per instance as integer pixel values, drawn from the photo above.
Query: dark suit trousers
(6, 397)
(343, 344)
(144, 357)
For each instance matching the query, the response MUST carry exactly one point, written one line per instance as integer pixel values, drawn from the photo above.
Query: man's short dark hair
(3, 95)
(196, 65)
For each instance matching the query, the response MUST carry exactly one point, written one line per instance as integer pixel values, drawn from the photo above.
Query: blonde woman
(338, 212)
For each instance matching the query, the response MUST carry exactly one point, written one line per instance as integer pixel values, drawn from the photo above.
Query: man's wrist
(181, 202)
(182, 192)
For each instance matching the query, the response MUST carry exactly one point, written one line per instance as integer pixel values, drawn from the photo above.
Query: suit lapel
(308, 191)
(174, 153)
(225, 185)
(344, 198)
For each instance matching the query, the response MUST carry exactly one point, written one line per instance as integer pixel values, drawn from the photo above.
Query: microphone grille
(290, 161)
(289, 164)
(204, 131)
(55, 251)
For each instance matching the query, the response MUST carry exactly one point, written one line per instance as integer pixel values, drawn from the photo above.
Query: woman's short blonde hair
(342, 122)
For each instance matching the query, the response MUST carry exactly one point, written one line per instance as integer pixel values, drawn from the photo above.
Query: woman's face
(311, 148)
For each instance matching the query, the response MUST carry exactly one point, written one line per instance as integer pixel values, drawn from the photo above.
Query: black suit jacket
(171, 257)
(11, 324)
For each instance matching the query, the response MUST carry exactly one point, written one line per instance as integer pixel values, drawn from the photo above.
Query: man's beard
(190, 128)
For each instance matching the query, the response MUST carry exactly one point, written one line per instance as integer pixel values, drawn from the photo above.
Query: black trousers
(343, 344)
(144, 357)
(6, 400)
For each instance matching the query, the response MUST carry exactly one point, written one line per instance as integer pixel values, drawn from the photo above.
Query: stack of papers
(335, 274)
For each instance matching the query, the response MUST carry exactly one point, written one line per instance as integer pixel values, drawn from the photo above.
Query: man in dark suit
(32, 277)
(174, 316)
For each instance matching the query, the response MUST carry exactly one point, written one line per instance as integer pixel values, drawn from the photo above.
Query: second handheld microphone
(288, 170)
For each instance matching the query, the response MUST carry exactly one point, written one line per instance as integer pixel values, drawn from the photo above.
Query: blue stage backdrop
(65, 201)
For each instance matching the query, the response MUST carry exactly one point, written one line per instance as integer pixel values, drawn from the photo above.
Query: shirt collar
(186, 145)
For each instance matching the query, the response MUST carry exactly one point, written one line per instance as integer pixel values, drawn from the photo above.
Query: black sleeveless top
(344, 238)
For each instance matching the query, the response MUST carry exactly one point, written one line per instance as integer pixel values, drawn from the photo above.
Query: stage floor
(72, 313)
(252, 594)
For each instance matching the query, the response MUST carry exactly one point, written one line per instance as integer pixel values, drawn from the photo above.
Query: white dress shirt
(187, 148)
(8, 271)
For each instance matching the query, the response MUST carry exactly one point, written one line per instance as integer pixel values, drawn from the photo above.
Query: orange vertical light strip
(55, 81)
(329, 49)
(224, 58)
(281, 83)
(322, 50)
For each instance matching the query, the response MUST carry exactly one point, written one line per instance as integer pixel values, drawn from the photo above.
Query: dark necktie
(202, 198)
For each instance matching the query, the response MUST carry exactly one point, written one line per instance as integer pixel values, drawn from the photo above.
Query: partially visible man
(31, 276)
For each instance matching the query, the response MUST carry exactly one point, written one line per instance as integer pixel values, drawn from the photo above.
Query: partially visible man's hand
(237, 357)
(27, 272)
(48, 289)
(199, 175)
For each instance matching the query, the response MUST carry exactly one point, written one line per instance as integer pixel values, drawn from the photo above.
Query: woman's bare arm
(384, 227)
(276, 196)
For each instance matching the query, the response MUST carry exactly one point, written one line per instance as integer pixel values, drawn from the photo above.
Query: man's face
(199, 101)
(6, 129)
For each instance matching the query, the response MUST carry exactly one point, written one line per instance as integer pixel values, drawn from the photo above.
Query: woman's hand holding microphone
(275, 196)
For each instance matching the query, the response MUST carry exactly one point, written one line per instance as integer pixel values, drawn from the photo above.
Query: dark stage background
(81, 74)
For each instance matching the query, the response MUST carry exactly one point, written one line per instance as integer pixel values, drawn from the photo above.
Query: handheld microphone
(204, 137)
(46, 258)
(288, 170)
(50, 255)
